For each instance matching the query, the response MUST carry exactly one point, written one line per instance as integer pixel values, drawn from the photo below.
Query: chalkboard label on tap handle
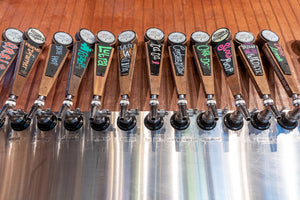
(30, 50)
(154, 39)
(104, 48)
(58, 51)
(126, 51)
(177, 48)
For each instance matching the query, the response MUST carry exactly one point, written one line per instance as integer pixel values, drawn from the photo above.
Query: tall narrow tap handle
(178, 56)
(29, 52)
(127, 48)
(81, 55)
(224, 49)
(249, 54)
(9, 48)
(200, 43)
(268, 41)
(154, 47)
(104, 50)
(57, 55)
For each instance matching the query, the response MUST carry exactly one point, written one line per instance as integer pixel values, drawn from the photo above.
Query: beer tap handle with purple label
(30, 49)
(268, 41)
(202, 51)
(58, 52)
(82, 52)
(225, 52)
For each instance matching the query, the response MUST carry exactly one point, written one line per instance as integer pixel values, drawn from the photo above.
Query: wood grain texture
(283, 17)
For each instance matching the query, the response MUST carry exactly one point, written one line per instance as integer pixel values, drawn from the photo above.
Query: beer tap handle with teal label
(154, 48)
(268, 41)
(58, 52)
(225, 52)
(82, 52)
(9, 47)
(249, 54)
(30, 49)
(104, 50)
(180, 120)
(127, 47)
(202, 51)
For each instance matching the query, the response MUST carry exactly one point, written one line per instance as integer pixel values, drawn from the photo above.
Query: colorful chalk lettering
(203, 55)
(8, 51)
(155, 54)
(102, 57)
(82, 52)
(278, 53)
(224, 53)
(251, 52)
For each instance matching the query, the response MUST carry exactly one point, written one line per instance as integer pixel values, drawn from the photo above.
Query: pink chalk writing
(226, 49)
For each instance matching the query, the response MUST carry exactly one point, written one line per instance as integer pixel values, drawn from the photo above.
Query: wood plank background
(169, 15)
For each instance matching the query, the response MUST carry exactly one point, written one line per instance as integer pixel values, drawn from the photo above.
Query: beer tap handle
(154, 48)
(104, 50)
(9, 48)
(225, 52)
(202, 51)
(268, 41)
(29, 52)
(178, 56)
(81, 55)
(82, 52)
(58, 52)
(127, 48)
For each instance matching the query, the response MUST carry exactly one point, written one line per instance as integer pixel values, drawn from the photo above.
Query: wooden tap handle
(127, 48)
(202, 51)
(249, 54)
(275, 55)
(104, 50)
(9, 48)
(178, 56)
(224, 49)
(29, 52)
(154, 49)
(81, 55)
(56, 57)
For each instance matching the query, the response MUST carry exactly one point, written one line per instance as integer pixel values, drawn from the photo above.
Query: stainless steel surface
(167, 164)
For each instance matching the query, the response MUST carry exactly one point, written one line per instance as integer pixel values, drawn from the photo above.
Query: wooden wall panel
(178, 15)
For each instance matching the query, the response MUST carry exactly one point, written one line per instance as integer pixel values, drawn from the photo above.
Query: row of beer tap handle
(25, 48)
